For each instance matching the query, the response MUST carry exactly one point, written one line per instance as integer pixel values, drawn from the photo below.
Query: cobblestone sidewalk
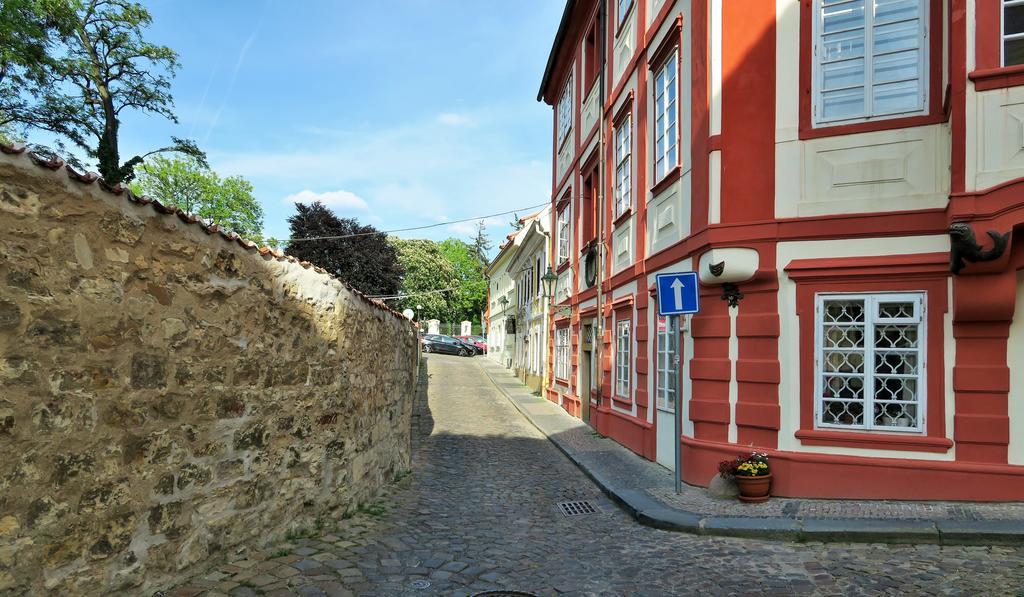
(648, 490)
(481, 512)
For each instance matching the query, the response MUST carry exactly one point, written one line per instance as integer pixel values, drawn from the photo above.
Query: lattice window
(562, 353)
(623, 346)
(668, 363)
(870, 363)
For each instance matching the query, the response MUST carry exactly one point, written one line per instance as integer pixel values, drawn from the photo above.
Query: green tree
(428, 276)
(471, 297)
(28, 30)
(482, 244)
(362, 256)
(193, 187)
(78, 88)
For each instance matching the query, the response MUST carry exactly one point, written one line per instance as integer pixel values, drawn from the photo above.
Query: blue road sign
(677, 293)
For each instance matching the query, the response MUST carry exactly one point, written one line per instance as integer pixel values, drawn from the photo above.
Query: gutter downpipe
(598, 339)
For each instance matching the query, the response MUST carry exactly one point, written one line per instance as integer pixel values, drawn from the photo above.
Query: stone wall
(168, 392)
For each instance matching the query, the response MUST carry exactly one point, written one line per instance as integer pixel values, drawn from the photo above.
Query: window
(666, 127)
(668, 363)
(565, 113)
(589, 231)
(870, 363)
(870, 59)
(590, 54)
(622, 350)
(622, 9)
(1013, 32)
(562, 353)
(563, 236)
(623, 154)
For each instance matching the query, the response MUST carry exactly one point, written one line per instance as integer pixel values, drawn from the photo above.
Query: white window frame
(871, 319)
(623, 165)
(666, 133)
(562, 353)
(869, 115)
(622, 8)
(564, 229)
(1003, 37)
(667, 364)
(623, 353)
(565, 113)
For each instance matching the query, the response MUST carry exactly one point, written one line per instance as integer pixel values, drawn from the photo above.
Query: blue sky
(396, 112)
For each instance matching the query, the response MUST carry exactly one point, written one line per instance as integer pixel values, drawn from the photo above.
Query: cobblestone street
(480, 512)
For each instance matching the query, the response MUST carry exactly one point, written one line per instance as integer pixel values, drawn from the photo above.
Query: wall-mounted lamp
(549, 280)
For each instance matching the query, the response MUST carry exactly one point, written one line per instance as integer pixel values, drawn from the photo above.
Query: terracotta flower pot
(754, 490)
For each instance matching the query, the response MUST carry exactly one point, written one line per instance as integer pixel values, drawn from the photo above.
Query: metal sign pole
(679, 409)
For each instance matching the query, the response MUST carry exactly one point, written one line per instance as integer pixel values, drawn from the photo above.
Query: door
(666, 389)
(586, 371)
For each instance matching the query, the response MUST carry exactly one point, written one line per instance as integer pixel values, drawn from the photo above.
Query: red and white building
(809, 158)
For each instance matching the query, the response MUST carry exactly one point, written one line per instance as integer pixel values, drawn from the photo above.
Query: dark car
(477, 341)
(446, 345)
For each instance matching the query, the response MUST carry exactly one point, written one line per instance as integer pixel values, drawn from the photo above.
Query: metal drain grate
(577, 508)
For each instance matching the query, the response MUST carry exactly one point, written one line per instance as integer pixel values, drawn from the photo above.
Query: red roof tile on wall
(89, 178)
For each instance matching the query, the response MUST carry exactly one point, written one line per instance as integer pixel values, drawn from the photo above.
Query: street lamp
(504, 302)
(549, 280)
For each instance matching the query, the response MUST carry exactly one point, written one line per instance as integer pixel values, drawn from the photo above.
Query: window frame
(871, 319)
(623, 156)
(659, 133)
(666, 363)
(564, 237)
(564, 109)
(938, 29)
(924, 61)
(623, 356)
(1002, 31)
(621, 12)
(562, 354)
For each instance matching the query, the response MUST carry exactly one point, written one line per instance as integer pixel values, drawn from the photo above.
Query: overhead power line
(411, 294)
(341, 236)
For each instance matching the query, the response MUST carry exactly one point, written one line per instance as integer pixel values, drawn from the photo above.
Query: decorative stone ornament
(964, 246)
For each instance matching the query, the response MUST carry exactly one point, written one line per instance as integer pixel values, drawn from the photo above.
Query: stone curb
(650, 512)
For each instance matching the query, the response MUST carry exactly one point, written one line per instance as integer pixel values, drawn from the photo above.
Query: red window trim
(928, 273)
(624, 111)
(621, 22)
(657, 356)
(935, 114)
(989, 71)
(623, 311)
(622, 217)
(670, 178)
(673, 40)
(561, 324)
(997, 78)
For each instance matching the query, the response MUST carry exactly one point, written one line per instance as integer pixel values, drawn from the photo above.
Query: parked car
(446, 345)
(477, 341)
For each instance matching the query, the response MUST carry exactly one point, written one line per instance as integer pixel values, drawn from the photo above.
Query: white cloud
(343, 200)
(453, 119)
(412, 173)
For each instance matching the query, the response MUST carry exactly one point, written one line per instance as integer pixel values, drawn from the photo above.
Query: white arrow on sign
(677, 287)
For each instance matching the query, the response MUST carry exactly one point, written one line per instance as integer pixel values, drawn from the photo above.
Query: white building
(527, 265)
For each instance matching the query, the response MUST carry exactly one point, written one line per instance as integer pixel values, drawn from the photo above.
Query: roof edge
(563, 27)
